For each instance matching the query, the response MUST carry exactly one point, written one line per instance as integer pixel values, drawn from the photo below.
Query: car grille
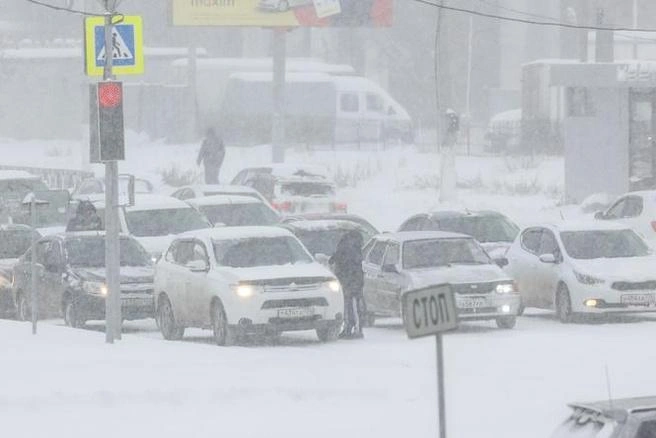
(477, 311)
(290, 284)
(146, 289)
(626, 285)
(474, 288)
(300, 302)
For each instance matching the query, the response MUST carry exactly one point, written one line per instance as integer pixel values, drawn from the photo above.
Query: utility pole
(279, 70)
(112, 254)
(635, 26)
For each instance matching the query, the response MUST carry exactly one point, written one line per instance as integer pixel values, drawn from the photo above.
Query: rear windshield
(485, 229)
(149, 223)
(306, 189)
(235, 215)
(260, 251)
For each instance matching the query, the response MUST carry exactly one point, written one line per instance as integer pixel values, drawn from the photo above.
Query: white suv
(245, 280)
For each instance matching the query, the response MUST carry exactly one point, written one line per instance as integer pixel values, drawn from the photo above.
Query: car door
(50, 281)
(548, 275)
(177, 273)
(372, 267)
(196, 285)
(524, 262)
(390, 281)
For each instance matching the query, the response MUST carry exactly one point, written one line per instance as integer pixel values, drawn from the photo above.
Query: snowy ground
(501, 384)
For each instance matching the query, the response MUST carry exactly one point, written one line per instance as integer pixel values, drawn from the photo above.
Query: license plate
(638, 299)
(471, 303)
(296, 312)
(136, 302)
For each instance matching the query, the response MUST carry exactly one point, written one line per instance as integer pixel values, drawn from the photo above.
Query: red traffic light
(110, 94)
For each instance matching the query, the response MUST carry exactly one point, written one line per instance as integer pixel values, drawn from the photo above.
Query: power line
(534, 22)
(63, 9)
(517, 11)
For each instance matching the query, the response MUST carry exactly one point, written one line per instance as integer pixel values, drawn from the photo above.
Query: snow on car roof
(407, 236)
(587, 225)
(325, 224)
(627, 405)
(143, 202)
(226, 233)
(222, 200)
(294, 170)
(16, 174)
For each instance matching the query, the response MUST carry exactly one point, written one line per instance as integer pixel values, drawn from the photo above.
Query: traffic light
(454, 122)
(106, 122)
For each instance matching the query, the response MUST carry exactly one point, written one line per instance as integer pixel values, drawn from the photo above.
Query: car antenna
(608, 388)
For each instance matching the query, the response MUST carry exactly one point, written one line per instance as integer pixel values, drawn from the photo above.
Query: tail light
(282, 206)
(653, 225)
(340, 207)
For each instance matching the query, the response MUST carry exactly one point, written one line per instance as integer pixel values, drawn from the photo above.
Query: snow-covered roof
(142, 202)
(227, 233)
(16, 174)
(289, 77)
(223, 188)
(320, 225)
(222, 200)
(406, 236)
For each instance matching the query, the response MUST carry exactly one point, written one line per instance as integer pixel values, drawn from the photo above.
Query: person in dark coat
(86, 218)
(347, 263)
(211, 154)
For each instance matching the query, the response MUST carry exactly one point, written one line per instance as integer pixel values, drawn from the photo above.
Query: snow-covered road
(506, 384)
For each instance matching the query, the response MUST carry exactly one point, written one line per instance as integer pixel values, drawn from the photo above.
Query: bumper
(278, 325)
(595, 299)
(90, 307)
(489, 306)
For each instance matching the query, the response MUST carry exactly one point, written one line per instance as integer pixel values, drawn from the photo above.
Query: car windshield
(89, 252)
(164, 222)
(322, 241)
(485, 229)
(582, 425)
(240, 214)
(443, 252)
(14, 243)
(306, 189)
(260, 251)
(598, 244)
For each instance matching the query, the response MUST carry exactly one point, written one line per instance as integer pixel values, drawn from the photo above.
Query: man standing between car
(211, 154)
(347, 263)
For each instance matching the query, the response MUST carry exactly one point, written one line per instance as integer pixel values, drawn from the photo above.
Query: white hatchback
(245, 280)
(583, 268)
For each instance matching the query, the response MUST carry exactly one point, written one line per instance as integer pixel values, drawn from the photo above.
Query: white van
(319, 108)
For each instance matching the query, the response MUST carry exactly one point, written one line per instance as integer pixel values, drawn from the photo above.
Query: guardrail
(54, 178)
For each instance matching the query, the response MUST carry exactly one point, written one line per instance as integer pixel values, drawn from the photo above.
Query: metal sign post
(426, 312)
(278, 125)
(34, 294)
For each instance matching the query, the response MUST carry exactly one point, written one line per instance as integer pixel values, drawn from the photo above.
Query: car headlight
(587, 279)
(95, 288)
(155, 256)
(506, 288)
(334, 286)
(246, 290)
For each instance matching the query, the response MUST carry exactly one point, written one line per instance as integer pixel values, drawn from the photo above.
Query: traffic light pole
(113, 318)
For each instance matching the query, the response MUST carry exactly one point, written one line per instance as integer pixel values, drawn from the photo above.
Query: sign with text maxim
(282, 13)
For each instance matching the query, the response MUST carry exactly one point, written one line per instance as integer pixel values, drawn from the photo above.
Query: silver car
(624, 418)
(400, 262)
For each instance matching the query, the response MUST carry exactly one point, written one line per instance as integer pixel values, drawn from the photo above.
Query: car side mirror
(501, 261)
(390, 269)
(198, 266)
(548, 258)
(600, 215)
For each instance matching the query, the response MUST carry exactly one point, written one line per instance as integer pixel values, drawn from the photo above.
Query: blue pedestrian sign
(126, 50)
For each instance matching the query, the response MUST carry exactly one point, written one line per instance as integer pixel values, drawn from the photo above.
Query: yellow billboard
(281, 13)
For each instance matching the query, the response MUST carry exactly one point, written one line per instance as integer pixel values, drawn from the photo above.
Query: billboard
(282, 13)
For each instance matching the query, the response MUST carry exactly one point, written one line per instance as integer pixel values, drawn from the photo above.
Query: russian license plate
(471, 303)
(296, 312)
(638, 299)
(136, 302)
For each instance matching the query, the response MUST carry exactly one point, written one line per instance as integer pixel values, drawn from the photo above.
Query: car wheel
(506, 322)
(223, 334)
(167, 323)
(328, 334)
(563, 305)
(23, 312)
(283, 6)
(72, 314)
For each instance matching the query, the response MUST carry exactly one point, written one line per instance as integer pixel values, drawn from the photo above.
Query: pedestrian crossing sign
(127, 45)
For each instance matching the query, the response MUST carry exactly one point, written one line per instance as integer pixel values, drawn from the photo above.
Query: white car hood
(157, 244)
(313, 269)
(632, 269)
(456, 274)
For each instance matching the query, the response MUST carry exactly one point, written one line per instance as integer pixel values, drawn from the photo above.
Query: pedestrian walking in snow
(347, 263)
(211, 154)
